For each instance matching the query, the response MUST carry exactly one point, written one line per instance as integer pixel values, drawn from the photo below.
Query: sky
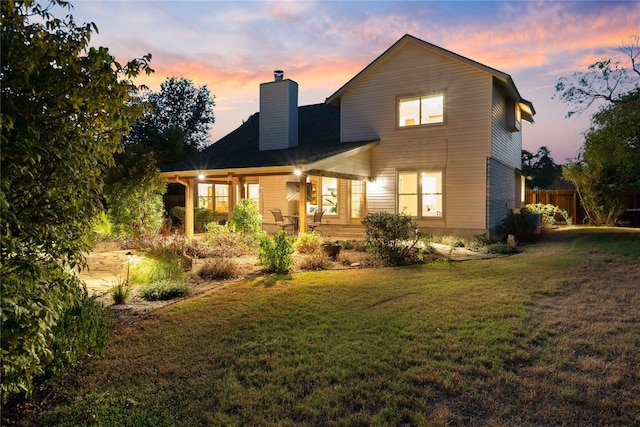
(233, 46)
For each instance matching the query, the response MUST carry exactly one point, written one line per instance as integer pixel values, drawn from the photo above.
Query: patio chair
(317, 220)
(280, 221)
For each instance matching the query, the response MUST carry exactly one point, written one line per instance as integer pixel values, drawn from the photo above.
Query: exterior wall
(459, 147)
(500, 191)
(506, 146)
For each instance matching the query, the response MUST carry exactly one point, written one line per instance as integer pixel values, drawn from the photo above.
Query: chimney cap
(278, 75)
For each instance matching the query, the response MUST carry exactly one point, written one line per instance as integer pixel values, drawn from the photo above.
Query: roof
(505, 80)
(318, 139)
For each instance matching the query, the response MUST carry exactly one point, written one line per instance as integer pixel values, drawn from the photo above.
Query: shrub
(101, 225)
(150, 268)
(275, 254)
(518, 225)
(548, 214)
(226, 243)
(120, 292)
(454, 241)
(84, 329)
(392, 236)
(316, 260)
(218, 269)
(48, 321)
(308, 243)
(246, 218)
(164, 290)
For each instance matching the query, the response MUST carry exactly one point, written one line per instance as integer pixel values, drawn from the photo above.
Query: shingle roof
(318, 138)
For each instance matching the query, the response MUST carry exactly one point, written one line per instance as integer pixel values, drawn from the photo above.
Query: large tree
(65, 107)
(540, 168)
(609, 163)
(176, 123)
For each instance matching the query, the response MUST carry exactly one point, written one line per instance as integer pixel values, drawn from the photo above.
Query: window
(420, 194)
(330, 195)
(252, 192)
(324, 195)
(358, 200)
(214, 197)
(421, 110)
(205, 196)
(221, 198)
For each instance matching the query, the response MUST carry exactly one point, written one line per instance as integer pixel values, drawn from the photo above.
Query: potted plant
(332, 249)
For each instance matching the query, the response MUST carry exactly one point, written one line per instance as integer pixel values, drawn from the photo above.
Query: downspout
(189, 224)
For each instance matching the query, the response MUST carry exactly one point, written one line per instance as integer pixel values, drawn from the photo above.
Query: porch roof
(239, 153)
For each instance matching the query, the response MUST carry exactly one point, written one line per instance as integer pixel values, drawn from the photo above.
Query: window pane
(205, 196)
(408, 204)
(330, 195)
(222, 198)
(431, 205)
(253, 193)
(432, 109)
(409, 112)
(431, 183)
(407, 183)
(357, 199)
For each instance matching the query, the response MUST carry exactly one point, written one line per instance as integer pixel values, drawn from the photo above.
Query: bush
(151, 268)
(246, 218)
(392, 236)
(164, 290)
(48, 320)
(548, 214)
(218, 269)
(275, 254)
(518, 225)
(316, 260)
(226, 243)
(84, 329)
(308, 243)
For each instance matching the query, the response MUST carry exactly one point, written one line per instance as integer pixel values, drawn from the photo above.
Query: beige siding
(506, 146)
(459, 147)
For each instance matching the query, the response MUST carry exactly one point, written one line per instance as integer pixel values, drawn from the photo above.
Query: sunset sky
(232, 47)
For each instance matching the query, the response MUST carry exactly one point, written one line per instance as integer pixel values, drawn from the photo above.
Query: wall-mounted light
(201, 176)
(297, 172)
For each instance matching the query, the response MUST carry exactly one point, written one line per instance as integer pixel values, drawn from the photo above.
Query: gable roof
(505, 80)
(318, 139)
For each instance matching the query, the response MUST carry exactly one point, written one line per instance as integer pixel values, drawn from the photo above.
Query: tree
(65, 107)
(608, 165)
(541, 168)
(176, 126)
(610, 160)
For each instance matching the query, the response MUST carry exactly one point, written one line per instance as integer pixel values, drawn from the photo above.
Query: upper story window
(421, 110)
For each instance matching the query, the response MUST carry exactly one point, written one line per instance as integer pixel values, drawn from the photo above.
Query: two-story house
(420, 130)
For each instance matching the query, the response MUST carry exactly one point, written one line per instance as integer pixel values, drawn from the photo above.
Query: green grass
(519, 340)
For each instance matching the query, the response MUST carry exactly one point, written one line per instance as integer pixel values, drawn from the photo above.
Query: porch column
(302, 204)
(189, 223)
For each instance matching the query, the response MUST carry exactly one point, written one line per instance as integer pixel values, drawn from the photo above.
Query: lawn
(549, 336)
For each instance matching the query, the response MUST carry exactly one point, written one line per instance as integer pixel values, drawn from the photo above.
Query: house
(420, 130)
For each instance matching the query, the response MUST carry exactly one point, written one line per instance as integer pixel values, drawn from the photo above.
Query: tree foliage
(609, 163)
(176, 121)
(605, 81)
(541, 168)
(65, 107)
